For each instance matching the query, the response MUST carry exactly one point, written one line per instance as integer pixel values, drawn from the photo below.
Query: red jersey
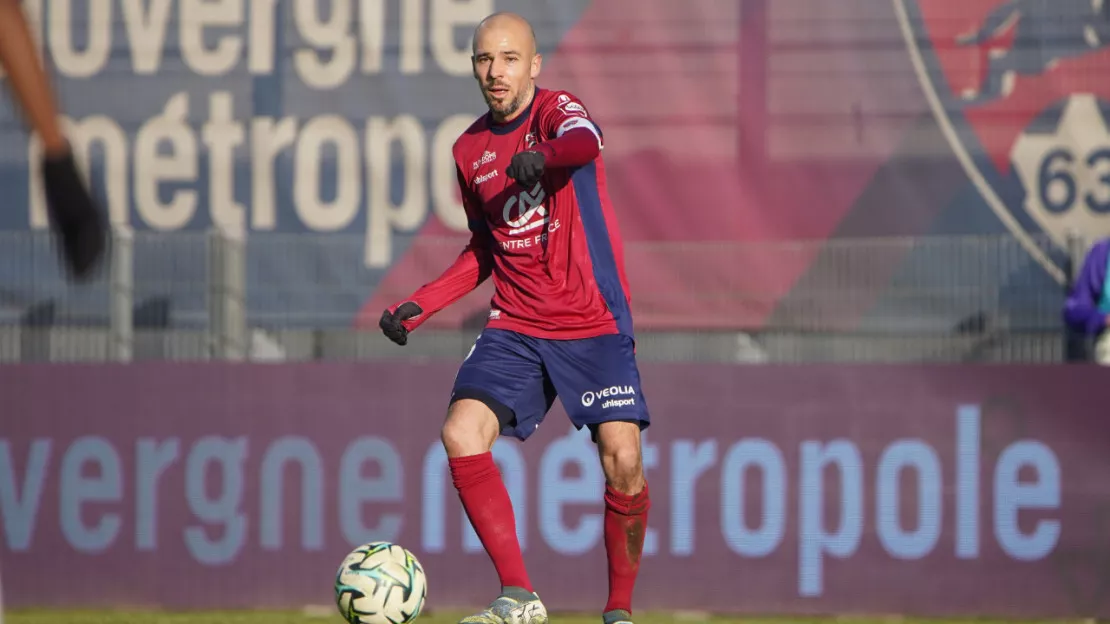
(554, 250)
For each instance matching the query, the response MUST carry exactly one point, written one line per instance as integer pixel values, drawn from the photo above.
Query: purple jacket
(1088, 302)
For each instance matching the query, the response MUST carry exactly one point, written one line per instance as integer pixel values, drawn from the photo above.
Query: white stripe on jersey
(579, 122)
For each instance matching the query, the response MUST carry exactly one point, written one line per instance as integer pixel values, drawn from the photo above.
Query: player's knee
(621, 459)
(470, 429)
(624, 469)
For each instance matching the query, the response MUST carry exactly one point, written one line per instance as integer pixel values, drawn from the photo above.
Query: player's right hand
(527, 168)
(77, 222)
(392, 323)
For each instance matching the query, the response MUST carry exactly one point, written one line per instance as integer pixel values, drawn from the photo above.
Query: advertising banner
(918, 490)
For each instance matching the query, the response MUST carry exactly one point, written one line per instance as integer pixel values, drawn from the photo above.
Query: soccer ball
(380, 583)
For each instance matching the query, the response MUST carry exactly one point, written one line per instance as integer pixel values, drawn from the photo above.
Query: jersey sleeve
(472, 267)
(563, 112)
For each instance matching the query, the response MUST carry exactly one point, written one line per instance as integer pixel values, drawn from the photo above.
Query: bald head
(506, 63)
(508, 24)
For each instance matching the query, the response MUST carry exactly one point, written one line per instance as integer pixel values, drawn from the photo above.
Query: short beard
(514, 105)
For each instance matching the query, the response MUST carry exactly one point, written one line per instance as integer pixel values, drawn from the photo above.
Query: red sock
(490, 510)
(625, 527)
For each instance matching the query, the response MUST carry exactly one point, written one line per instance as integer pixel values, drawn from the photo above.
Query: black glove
(391, 323)
(526, 168)
(75, 219)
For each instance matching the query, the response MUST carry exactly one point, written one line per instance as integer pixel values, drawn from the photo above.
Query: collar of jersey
(515, 124)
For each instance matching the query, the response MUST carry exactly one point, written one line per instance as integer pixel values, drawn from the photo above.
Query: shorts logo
(611, 397)
(1032, 127)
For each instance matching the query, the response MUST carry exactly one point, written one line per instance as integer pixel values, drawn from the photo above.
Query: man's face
(505, 65)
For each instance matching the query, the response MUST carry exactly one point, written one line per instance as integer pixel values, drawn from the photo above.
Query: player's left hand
(527, 168)
(392, 322)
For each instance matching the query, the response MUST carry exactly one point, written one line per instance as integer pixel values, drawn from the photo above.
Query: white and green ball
(380, 583)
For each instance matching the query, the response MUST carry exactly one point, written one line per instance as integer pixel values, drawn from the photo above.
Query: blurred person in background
(1087, 309)
(77, 222)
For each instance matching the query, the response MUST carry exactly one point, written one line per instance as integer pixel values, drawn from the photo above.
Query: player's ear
(537, 62)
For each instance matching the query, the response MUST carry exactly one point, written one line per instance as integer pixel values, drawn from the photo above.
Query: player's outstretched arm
(1081, 310)
(575, 148)
(575, 141)
(74, 217)
(472, 267)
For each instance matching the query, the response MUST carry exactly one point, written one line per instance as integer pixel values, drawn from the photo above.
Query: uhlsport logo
(1020, 89)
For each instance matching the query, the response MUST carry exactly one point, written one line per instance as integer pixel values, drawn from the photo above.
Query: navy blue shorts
(519, 377)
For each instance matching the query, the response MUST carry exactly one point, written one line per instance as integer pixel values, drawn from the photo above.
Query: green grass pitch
(323, 617)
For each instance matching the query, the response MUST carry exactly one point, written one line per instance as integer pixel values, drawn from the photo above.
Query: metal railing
(215, 295)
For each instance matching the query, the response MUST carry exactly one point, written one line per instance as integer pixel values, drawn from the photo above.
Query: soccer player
(534, 190)
(74, 217)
